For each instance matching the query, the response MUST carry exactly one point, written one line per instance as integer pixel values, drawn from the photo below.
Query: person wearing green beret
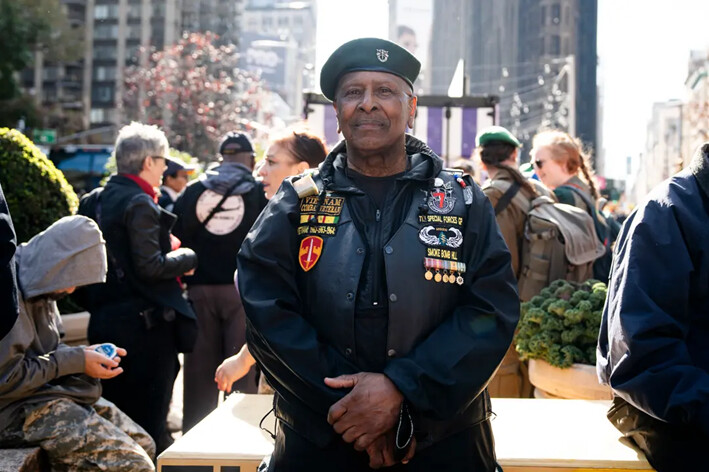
(378, 290)
(497, 150)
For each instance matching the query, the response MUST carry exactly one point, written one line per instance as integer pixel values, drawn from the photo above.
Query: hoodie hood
(425, 164)
(221, 178)
(70, 253)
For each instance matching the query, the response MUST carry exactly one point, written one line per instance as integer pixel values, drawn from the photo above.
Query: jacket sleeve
(287, 347)
(22, 373)
(142, 220)
(643, 353)
(452, 366)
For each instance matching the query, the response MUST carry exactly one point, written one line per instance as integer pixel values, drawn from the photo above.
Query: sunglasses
(538, 163)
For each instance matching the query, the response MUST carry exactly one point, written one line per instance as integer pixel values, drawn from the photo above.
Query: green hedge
(36, 191)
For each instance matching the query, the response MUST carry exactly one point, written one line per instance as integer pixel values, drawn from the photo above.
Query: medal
(428, 275)
(437, 277)
(460, 280)
(451, 278)
(445, 277)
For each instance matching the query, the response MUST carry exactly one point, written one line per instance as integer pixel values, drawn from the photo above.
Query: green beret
(371, 54)
(496, 133)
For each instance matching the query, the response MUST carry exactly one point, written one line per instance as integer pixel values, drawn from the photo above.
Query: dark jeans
(144, 389)
(472, 449)
(668, 447)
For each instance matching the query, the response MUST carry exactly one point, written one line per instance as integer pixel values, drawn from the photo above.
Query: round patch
(229, 216)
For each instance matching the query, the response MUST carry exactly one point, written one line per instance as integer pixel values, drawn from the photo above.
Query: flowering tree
(195, 92)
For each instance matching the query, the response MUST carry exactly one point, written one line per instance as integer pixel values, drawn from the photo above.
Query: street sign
(44, 136)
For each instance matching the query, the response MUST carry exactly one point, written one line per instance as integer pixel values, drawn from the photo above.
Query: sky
(643, 53)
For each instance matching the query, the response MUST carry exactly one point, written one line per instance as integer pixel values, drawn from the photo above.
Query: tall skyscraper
(538, 56)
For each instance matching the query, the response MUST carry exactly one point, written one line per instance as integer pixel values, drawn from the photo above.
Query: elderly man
(379, 297)
(141, 306)
(50, 392)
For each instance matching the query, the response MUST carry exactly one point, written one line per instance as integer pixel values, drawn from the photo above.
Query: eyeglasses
(538, 163)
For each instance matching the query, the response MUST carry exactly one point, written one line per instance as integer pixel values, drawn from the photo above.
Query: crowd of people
(370, 288)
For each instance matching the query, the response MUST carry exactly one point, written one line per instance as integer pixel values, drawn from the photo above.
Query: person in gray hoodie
(50, 393)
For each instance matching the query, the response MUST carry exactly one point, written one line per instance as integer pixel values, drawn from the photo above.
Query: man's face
(373, 109)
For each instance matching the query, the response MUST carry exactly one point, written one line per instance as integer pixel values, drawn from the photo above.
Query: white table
(530, 435)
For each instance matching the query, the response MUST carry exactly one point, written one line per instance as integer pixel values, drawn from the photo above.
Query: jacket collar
(424, 165)
(700, 168)
(144, 186)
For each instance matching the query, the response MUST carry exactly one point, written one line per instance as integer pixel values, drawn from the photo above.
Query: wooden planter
(578, 382)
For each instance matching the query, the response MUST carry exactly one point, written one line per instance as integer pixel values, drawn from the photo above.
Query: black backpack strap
(218, 207)
(507, 197)
(120, 274)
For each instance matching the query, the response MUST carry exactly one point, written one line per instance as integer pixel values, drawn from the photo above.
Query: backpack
(607, 230)
(559, 240)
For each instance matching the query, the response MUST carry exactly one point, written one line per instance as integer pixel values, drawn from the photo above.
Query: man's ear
(412, 111)
(334, 105)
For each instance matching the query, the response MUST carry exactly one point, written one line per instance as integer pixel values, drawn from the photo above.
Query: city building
(538, 56)
(695, 114)
(117, 34)
(278, 43)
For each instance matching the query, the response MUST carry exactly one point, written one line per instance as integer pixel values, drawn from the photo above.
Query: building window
(105, 12)
(555, 49)
(135, 11)
(49, 73)
(106, 31)
(556, 13)
(567, 15)
(134, 31)
(159, 9)
(107, 53)
(544, 15)
(102, 93)
(267, 22)
(283, 21)
(104, 73)
(102, 115)
(541, 46)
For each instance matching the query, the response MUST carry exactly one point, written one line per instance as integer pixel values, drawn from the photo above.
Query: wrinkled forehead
(371, 78)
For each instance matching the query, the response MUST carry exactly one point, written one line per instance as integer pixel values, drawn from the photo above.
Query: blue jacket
(654, 341)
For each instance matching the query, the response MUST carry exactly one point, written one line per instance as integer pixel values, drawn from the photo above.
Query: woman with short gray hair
(140, 307)
(134, 143)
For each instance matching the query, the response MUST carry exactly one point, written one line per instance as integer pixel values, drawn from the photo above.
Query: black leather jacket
(444, 340)
(141, 263)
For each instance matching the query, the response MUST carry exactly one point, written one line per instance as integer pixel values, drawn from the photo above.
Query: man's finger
(343, 381)
(336, 411)
(121, 351)
(351, 435)
(376, 456)
(410, 453)
(363, 442)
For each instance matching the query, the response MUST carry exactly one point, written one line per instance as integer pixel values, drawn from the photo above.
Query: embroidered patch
(310, 250)
(468, 195)
(323, 230)
(321, 219)
(441, 199)
(441, 236)
(330, 206)
(441, 219)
